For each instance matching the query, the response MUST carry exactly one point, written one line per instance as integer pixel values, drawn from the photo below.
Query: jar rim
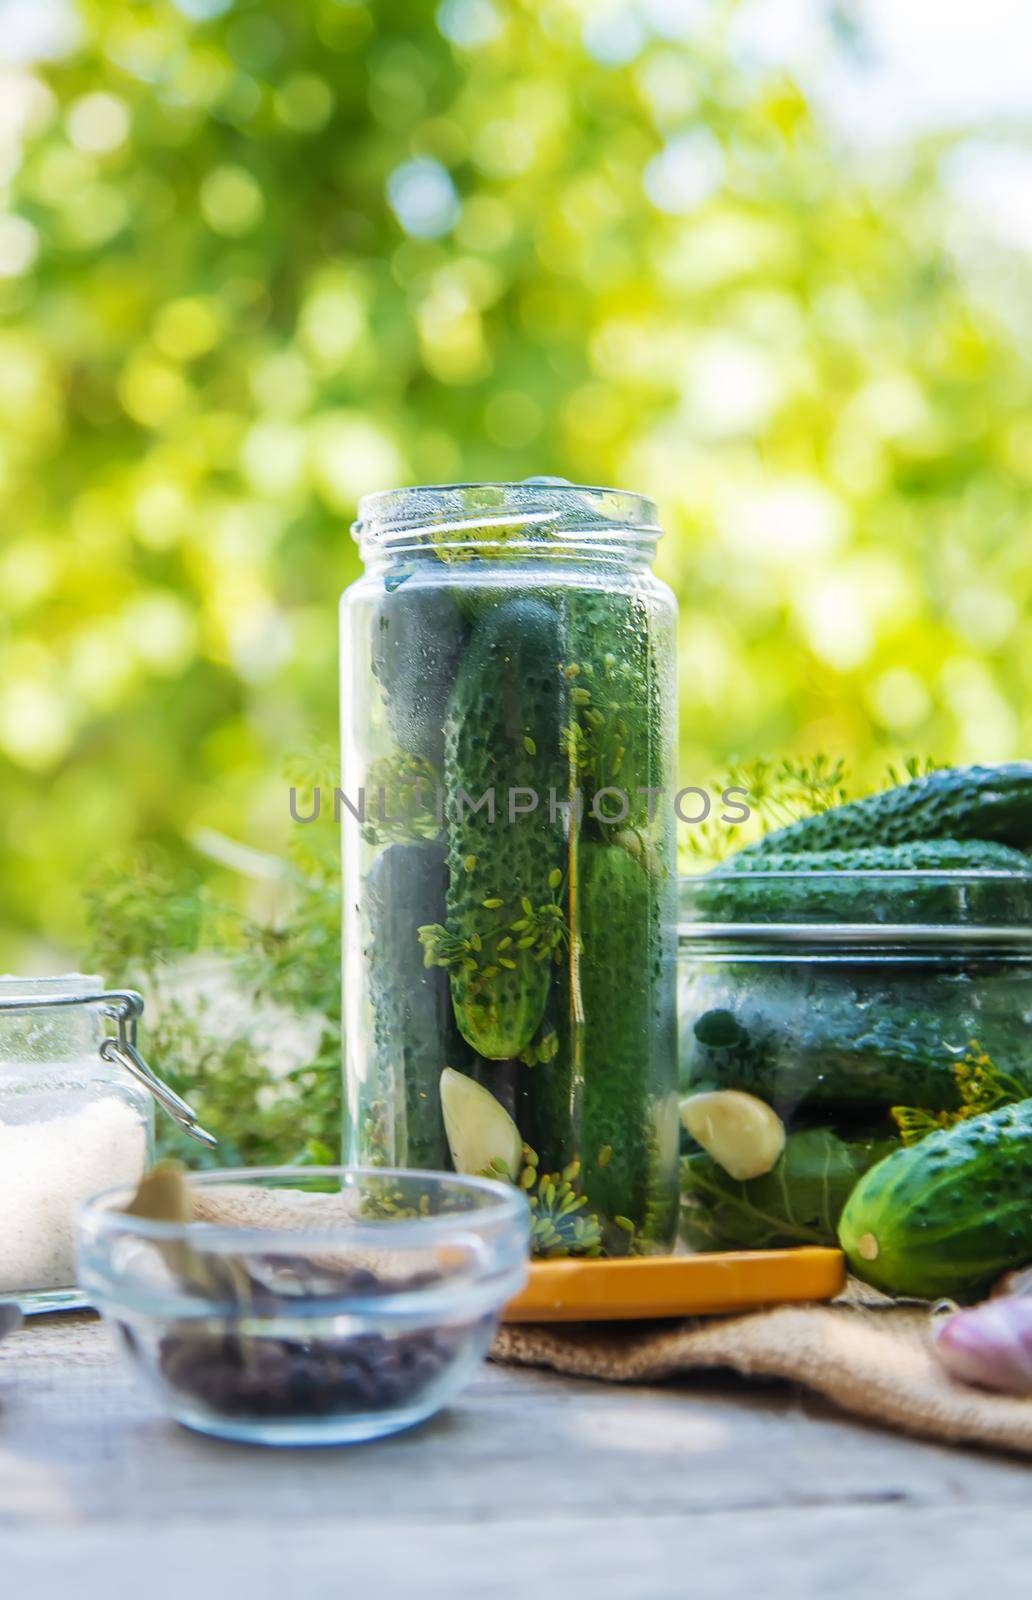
(505, 512)
(892, 908)
(67, 986)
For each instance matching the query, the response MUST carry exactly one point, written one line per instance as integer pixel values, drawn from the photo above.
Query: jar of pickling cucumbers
(509, 716)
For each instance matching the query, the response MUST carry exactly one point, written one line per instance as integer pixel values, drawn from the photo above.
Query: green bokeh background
(669, 273)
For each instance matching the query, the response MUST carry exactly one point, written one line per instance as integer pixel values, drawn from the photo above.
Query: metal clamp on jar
(76, 1117)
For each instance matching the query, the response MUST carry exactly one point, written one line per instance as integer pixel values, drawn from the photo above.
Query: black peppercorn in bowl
(315, 1305)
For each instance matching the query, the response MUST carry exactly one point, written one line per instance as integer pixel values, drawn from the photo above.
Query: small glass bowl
(314, 1305)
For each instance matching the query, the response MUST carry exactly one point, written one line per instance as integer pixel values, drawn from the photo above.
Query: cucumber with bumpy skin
(954, 803)
(414, 1033)
(629, 1029)
(819, 1054)
(418, 636)
(619, 693)
(738, 889)
(504, 921)
(948, 1215)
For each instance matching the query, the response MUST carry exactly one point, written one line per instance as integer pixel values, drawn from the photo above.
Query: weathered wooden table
(531, 1486)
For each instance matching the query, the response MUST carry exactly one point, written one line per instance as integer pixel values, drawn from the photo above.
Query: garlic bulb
(990, 1345)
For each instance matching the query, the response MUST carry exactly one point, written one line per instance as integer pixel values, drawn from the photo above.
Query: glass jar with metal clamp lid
(76, 1117)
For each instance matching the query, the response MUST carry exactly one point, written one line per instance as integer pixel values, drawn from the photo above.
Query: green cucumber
(414, 1032)
(948, 1215)
(992, 803)
(504, 923)
(548, 1104)
(771, 1041)
(817, 1049)
(418, 636)
(628, 1037)
(738, 889)
(620, 691)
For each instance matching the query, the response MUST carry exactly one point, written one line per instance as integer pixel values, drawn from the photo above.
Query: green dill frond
(982, 1087)
(401, 800)
(908, 769)
(560, 1224)
(915, 1124)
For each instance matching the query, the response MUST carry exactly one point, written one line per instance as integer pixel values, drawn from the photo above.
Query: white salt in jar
(76, 1117)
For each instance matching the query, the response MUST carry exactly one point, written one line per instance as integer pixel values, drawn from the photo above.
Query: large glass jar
(831, 1019)
(508, 746)
(73, 1122)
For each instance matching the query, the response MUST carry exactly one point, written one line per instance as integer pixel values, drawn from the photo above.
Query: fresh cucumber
(504, 922)
(992, 803)
(948, 1215)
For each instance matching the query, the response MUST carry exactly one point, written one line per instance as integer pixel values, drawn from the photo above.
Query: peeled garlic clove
(744, 1135)
(482, 1136)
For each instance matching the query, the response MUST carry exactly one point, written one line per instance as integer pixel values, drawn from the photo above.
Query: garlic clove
(482, 1137)
(743, 1134)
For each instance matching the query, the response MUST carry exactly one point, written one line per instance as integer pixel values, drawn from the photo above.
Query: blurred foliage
(260, 256)
(242, 1017)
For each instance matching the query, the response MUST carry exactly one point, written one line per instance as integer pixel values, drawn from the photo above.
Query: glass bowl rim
(507, 1206)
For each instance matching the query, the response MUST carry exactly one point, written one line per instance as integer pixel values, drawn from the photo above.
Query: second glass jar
(509, 723)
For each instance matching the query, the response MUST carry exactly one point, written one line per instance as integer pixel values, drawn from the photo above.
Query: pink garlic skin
(990, 1345)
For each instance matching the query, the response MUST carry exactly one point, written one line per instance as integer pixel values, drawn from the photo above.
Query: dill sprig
(982, 1087)
(401, 793)
(560, 1224)
(779, 793)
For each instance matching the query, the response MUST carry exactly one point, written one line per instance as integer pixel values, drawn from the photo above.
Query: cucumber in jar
(842, 1045)
(620, 684)
(418, 636)
(414, 1032)
(625, 975)
(504, 919)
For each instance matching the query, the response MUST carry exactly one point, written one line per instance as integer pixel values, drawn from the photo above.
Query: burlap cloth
(874, 1360)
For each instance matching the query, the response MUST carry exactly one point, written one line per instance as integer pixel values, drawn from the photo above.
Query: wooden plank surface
(531, 1485)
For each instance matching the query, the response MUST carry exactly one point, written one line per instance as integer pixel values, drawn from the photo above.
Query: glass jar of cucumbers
(855, 1055)
(508, 764)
